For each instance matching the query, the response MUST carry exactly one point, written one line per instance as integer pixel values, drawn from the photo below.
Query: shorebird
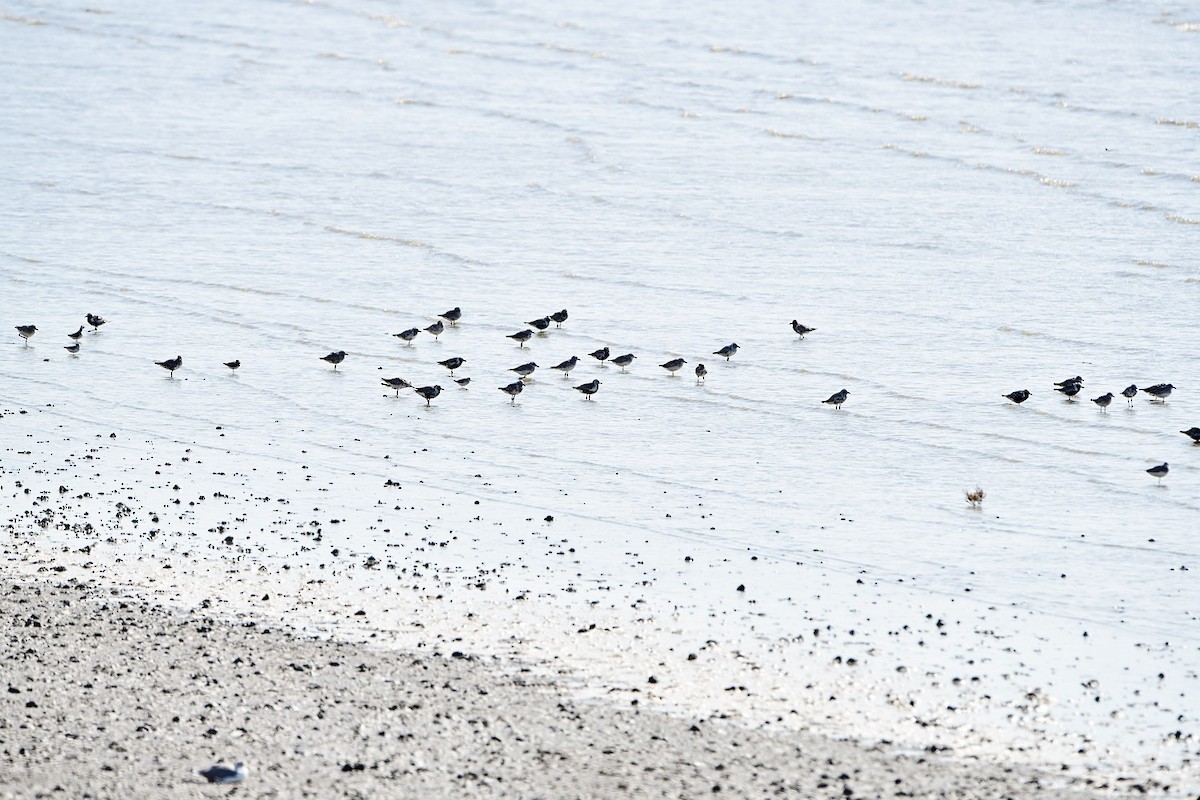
(1103, 401)
(521, 336)
(1070, 389)
(600, 355)
(95, 320)
(335, 358)
(1076, 379)
(1019, 396)
(1160, 471)
(588, 389)
(220, 773)
(801, 329)
(623, 361)
(452, 316)
(673, 365)
(463, 382)
(72, 348)
(397, 384)
(234, 365)
(1130, 392)
(727, 351)
(436, 329)
(407, 335)
(540, 324)
(566, 366)
(1160, 391)
(428, 392)
(77, 335)
(171, 364)
(25, 331)
(513, 389)
(559, 318)
(1194, 433)
(701, 371)
(452, 364)
(837, 399)
(525, 370)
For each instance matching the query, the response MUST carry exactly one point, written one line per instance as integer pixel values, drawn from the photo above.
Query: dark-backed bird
(1103, 401)
(453, 363)
(171, 364)
(452, 316)
(1160, 471)
(72, 348)
(95, 320)
(407, 335)
(525, 370)
(540, 324)
(428, 392)
(801, 329)
(837, 399)
(559, 317)
(513, 389)
(234, 365)
(335, 358)
(727, 351)
(674, 365)
(623, 361)
(220, 773)
(1194, 433)
(600, 355)
(463, 382)
(1076, 379)
(1069, 389)
(1159, 391)
(1130, 392)
(436, 329)
(397, 384)
(25, 331)
(701, 371)
(1019, 396)
(521, 337)
(77, 335)
(588, 389)
(566, 366)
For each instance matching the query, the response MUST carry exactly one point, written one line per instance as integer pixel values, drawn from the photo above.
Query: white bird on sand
(219, 773)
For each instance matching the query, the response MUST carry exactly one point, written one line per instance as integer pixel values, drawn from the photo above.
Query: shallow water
(963, 203)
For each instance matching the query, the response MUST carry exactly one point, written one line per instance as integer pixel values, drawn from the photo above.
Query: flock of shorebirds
(1069, 387)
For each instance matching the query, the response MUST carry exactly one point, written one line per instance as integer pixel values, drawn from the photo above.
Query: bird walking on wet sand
(1159, 391)
(219, 773)
(540, 324)
(453, 364)
(77, 335)
(1194, 433)
(513, 389)
(600, 355)
(463, 382)
(1160, 471)
(521, 337)
(26, 331)
(171, 364)
(674, 365)
(1076, 379)
(801, 329)
(428, 392)
(588, 389)
(95, 320)
(559, 317)
(1070, 389)
(623, 361)
(1019, 396)
(234, 365)
(436, 329)
(335, 358)
(1103, 401)
(73, 349)
(452, 316)
(838, 398)
(727, 351)
(407, 335)
(566, 366)
(1130, 392)
(701, 371)
(525, 370)
(397, 384)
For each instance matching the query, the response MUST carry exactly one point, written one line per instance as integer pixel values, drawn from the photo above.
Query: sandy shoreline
(107, 697)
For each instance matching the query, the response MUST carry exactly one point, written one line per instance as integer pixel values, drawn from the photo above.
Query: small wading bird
(335, 358)
(1160, 471)
(1159, 391)
(463, 382)
(408, 335)
(234, 365)
(452, 316)
(1103, 401)
(525, 370)
(801, 329)
(559, 317)
(1070, 389)
(72, 348)
(220, 773)
(727, 351)
(1194, 433)
(397, 384)
(1019, 396)
(674, 365)
(521, 337)
(25, 331)
(1076, 379)
(429, 392)
(513, 389)
(95, 320)
(1130, 392)
(566, 366)
(600, 355)
(701, 371)
(436, 329)
(623, 361)
(837, 399)
(588, 389)
(452, 363)
(540, 324)
(77, 335)
(171, 364)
